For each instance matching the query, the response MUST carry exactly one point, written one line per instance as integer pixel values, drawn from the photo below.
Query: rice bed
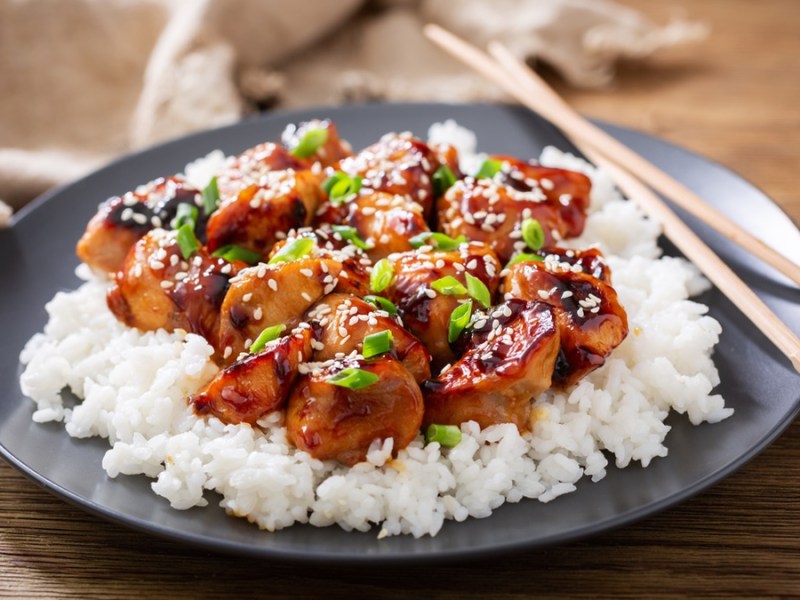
(134, 386)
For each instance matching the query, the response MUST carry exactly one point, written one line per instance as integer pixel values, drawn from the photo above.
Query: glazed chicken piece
(590, 261)
(569, 191)
(122, 220)
(156, 288)
(426, 312)
(591, 321)
(385, 222)
(343, 321)
(492, 209)
(253, 218)
(492, 212)
(249, 167)
(328, 153)
(333, 422)
(266, 295)
(399, 164)
(509, 358)
(353, 278)
(257, 385)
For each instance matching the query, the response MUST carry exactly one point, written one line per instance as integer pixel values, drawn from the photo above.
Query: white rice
(134, 386)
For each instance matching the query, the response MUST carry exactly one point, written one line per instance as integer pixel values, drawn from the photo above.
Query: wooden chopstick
(551, 106)
(515, 78)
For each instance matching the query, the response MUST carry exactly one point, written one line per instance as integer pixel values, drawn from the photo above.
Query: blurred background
(87, 80)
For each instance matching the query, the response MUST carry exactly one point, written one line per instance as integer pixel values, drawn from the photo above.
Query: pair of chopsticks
(629, 171)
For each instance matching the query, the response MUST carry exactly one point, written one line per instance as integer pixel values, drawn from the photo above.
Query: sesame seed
(430, 293)
(228, 351)
(166, 284)
(258, 313)
(305, 296)
(247, 297)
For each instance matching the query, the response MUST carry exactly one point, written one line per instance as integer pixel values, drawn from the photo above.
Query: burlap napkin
(86, 80)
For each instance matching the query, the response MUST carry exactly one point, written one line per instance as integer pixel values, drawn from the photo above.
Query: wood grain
(734, 98)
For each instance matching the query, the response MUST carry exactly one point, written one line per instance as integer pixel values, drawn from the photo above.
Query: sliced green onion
(266, 336)
(489, 168)
(211, 196)
(440, 241)
(294, 250)
(377, 343)
(478, 291)
(449, 286)
(350, 234)
(447, 435)
(443, 178)
(353, 378)
(186, 214)
(524, 257)
(381, 303)
(187, 241)
(310, 142)
(381, 276)
(233, 252)
(532, 233)
(340, 186)
(459, 319)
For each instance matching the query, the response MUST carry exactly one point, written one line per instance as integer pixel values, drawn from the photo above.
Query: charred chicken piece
(328, 152)
(343, 321)
(426, 312)
(253, 218)
(156, 288)
(384, 222)
(257, 385)
(334, 422)
(591, 321)
(267, 295)
(398, 164)
(122, 220)
(509, 358)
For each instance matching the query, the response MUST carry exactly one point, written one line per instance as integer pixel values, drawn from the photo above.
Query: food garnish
(353, 378)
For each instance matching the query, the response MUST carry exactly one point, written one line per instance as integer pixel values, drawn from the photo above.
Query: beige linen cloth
(86, 80)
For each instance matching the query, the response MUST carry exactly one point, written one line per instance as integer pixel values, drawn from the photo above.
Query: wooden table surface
(734, 98)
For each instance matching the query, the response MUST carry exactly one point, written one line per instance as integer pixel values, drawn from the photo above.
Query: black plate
(38, 259)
